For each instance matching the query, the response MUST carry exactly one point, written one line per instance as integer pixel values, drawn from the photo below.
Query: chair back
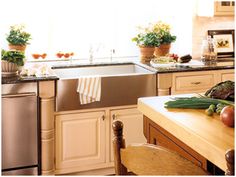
(148, 159)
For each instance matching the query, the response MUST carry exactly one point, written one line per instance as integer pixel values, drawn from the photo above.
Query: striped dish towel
(89, 89)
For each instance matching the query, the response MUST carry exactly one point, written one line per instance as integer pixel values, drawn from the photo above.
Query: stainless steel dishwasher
(20, 129)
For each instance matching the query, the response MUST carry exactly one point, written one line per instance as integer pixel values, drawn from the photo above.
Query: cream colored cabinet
(191, 82)
(80, 140)
(227, 75)
(133, 126)
(224, 8)
(84, 137)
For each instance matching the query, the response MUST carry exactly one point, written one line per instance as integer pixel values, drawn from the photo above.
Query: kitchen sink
(121, 84)
(103, 71)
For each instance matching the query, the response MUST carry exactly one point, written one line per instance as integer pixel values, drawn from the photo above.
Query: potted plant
(163, 31)
(11, 61)
(18, 38)
(147, 41)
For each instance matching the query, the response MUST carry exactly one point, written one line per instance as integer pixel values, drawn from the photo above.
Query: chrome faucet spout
(91, 55)
(112, 51)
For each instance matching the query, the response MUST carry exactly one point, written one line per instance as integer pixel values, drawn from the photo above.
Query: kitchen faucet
(91, 54)
(112, 51)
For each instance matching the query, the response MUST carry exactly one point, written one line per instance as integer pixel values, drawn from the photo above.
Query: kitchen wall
(200, 27)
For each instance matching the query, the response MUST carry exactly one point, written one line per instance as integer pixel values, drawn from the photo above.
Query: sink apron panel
(115, 91)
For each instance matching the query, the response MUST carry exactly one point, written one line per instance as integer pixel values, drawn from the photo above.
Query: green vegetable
(195, 102)
(219, 107)
(210, 110)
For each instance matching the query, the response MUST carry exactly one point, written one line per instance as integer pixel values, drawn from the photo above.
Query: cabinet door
(80, 139)
(133, 126)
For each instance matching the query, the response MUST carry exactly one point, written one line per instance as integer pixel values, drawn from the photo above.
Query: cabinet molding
(47, 95)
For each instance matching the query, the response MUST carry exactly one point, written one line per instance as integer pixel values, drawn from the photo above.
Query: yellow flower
(160, 26)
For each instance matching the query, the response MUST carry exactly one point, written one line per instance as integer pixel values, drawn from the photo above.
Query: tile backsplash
(200, 27)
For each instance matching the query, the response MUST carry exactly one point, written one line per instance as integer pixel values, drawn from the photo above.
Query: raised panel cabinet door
(133, 126)
(80, 139)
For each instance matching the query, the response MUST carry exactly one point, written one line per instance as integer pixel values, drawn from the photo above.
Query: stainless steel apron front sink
(121, 85)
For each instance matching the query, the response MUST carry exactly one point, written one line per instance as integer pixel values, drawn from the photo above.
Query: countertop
(185, 68)
(78, 63)
(23, 79)
(206, 135)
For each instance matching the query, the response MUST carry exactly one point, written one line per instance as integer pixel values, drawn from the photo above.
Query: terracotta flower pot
(8, 68)
(17, 47)
(162, 50)
(146, 53)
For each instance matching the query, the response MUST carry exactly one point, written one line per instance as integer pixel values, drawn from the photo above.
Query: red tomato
(35, 56)
(59, 54)
(44, 55)
(66, 55)
(227, 116)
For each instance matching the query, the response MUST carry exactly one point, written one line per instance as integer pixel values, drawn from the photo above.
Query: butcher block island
(200, 138)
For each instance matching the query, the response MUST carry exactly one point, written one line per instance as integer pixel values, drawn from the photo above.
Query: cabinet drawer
(189, 83)
(168, 141)
(227, 75)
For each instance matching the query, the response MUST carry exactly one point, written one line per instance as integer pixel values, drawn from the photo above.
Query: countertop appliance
(20, 129)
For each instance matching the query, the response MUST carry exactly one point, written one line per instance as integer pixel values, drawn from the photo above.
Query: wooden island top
(205, 134)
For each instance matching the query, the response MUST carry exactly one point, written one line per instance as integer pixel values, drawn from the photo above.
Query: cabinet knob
(103, 117)
(114, 116)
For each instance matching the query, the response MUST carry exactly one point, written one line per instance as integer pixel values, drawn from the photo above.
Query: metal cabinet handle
(196, 83)
(103, 117)
(18, 95)
(114, 116)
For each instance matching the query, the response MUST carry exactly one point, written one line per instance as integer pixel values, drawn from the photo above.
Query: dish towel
(89, 89)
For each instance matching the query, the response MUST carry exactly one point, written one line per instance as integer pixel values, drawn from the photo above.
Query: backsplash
(200, 27)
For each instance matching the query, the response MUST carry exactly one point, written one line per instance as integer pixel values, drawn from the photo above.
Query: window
(76, 25)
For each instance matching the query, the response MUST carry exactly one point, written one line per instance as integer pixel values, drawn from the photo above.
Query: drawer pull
(103, 117)
(196, 83)
(114, 116)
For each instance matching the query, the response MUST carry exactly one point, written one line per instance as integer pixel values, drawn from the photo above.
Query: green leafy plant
(149, 39)
(13, 56)
(17, 35)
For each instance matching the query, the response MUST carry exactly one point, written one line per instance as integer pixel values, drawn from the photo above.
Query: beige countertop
(206, 135)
